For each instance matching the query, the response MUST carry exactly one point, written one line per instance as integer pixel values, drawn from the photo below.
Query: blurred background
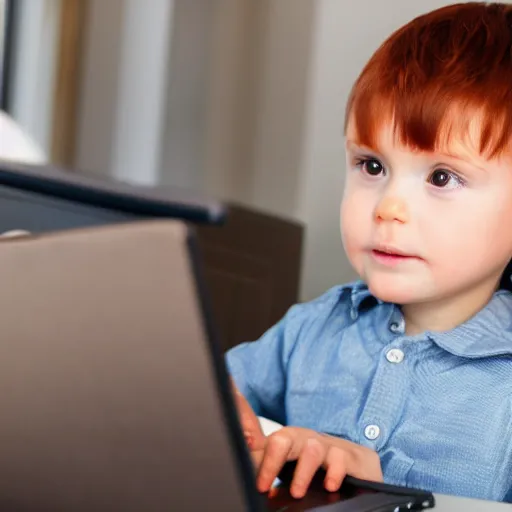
(242, 100)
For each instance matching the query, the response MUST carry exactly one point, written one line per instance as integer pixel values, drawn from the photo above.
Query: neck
(446, 313)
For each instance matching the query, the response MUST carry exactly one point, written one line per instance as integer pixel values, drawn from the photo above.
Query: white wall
(35, 59)
(143, 90)
(230, 113)
(99, 87)
(2, 28)
(260, 61)
(125, 88)
(280, 101)
(183, 156)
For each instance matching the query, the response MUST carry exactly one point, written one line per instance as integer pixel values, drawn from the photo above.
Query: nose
(392, 209)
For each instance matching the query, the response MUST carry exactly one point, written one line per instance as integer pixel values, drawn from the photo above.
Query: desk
(443, 504)
(453, 504)
(318, 497)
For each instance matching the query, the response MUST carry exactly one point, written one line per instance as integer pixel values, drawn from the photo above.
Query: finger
(254, 436)
(361, 462)
(311, 458)
(336, 468)
(277, 449)
(257, 459)
(364, 465)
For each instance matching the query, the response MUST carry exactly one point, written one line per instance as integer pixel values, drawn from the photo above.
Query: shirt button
(395, 356)
(394, 327)
(371, 432)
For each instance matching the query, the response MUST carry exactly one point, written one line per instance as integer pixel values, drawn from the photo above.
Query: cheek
(486, 236)
(471, 236)
(355, 221)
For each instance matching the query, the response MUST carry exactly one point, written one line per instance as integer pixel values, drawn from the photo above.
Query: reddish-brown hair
(436, 74)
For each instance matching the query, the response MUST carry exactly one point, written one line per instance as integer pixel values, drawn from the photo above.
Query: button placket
(386, 397)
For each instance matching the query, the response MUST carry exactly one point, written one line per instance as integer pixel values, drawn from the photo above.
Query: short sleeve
(259, 368)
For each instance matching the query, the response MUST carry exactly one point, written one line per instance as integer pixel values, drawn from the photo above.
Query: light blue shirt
(436, 407)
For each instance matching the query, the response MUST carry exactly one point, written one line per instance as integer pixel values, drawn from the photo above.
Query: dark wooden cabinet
(252, 268)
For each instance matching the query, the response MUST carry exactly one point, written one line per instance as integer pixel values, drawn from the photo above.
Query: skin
(311, 449)
(455, 232)
(443, 212)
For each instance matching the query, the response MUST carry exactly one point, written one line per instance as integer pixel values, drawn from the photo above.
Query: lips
(392, 252)
(391, 256)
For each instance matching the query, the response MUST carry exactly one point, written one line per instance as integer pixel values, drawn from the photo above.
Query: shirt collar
(487, 334)
(359, 294)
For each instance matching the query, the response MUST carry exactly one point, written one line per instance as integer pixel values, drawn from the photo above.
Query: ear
(254, 436)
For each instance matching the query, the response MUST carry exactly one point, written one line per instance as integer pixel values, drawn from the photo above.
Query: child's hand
(314, 451)
(311, 450)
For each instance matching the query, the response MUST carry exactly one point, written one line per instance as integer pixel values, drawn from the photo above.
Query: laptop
(114, 395)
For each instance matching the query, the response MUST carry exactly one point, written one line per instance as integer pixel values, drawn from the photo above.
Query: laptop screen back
(109, 397)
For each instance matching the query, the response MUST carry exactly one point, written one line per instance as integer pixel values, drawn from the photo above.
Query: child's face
(448, 213)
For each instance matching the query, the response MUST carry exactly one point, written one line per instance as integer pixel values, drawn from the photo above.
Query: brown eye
(373, 167)
(447, 180)
(440, 178)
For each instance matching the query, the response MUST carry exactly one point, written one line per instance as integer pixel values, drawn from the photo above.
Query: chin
(394, 289)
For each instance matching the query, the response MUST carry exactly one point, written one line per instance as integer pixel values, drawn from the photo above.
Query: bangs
(424, 126)
(445, 75)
